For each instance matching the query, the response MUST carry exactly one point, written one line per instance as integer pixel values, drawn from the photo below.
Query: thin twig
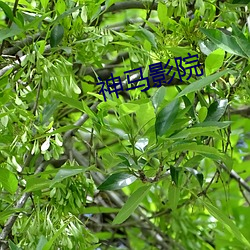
(244, 195)
(148, 14)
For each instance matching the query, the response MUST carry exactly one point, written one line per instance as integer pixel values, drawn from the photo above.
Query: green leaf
(56, 35)
(108, 3)
(197, 85)
(204, 150)
(41, 243)
(8, 180)
(9, 32)
(188, 105)
(174, 172)
(219, 125)
(98, 210)
(162, 12)
(44, 3)
(237, 32)
(66, 172)
(9, 211)
(117, 181)
(49, 110)
(158, 97)
(244, 45)
(194, 161)
(7, 10)
(36, 21)
(223, 41)
(13, 246)
(49, 244)
(166, 117)
(68, 12)
(202, 114)
(216, 110)
(70, 101)
(132, 203)
(147, 35)
(198, 175)
(88, 111)
(128, 108)
(35, 184)
(214, 61)
(193, 132)
(173, 196)
(227, 223)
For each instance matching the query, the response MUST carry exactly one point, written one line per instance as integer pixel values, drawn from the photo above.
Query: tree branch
(16, 63)
(235, 176)
(21, 44)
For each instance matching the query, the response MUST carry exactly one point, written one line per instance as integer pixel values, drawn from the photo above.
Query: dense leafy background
(167, 168)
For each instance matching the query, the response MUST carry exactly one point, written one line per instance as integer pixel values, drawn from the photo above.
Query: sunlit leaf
(117, 181)
(128, 108)
(8, 180)
(202, 114)
(162, 12)
(214, 61)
